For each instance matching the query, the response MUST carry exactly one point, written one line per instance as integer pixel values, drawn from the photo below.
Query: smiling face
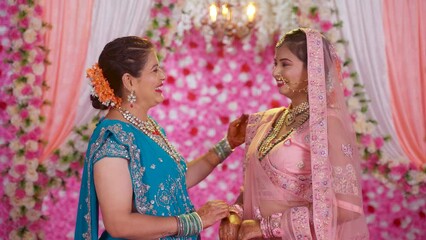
(148, 86)
(290, 73)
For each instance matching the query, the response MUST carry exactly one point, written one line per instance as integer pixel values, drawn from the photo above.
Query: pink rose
(326, 26)
(36, 102)
(21, 168)
(345, 74)
(27, 90)
(24, 114)
(378, 141)
(20, 193)
(347, 92)
(366, 139)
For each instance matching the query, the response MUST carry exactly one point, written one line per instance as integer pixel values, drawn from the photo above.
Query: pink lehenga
(312, 177)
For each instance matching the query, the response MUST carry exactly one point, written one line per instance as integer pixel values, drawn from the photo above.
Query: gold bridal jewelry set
(289, 117)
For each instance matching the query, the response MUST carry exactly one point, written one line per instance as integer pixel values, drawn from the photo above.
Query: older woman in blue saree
(132, 172)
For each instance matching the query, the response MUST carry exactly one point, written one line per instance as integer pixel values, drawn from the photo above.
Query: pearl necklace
(152, 130)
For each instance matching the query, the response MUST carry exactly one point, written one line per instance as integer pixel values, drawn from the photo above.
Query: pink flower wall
(204, 92)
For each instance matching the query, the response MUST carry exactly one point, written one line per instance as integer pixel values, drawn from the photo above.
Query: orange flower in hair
(101, 88)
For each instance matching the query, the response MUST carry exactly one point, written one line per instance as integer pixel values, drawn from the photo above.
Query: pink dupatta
(323, 198)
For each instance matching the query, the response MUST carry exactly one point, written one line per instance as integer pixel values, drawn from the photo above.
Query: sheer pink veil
(337, 196)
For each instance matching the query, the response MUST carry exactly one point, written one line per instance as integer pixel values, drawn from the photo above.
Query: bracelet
(237, 209)
(189, 224)
(223, 149)
(271, 226)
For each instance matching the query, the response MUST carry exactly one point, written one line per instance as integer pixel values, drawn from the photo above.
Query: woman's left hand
(237, 131)
(249, 229)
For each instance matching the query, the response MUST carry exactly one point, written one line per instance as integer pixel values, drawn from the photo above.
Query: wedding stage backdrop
(45, 128)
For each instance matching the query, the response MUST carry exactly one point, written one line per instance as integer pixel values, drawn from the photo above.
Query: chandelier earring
(131, 98)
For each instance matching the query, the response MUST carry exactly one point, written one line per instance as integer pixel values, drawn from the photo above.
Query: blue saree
(158, 182)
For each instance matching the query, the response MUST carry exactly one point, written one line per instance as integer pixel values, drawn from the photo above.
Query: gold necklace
(152, 130)
(271, 139)
(296, 111)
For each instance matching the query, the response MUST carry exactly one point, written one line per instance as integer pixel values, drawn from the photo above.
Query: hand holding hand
(237, 131)
(213, 211)
(229, 227)
(249, 229)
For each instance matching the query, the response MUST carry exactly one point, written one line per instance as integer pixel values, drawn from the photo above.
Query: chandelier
(231, 20)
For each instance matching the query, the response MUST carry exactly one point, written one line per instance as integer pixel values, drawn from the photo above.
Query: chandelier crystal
(233, 20)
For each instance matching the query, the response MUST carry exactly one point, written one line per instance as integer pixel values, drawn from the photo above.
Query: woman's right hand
(213, 211)
(229, 227)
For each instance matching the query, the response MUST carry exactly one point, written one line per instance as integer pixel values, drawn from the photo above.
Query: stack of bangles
(189, 224)
(271, 226)
(223, 149)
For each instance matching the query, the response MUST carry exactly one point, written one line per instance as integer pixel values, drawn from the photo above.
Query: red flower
(274, 104)
(170, 79)
(191, 96)
(224, 119)
(397, 222)
(245, 68)
(186, 71)
(210, 66)
(219, 86)
(194, 131)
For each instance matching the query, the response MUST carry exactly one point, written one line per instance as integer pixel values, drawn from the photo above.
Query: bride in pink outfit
(301, 171)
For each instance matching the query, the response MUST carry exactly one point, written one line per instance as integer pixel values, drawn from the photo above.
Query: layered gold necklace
(152, 130)
(287, 118)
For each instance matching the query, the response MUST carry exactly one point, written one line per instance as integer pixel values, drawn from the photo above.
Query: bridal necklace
(271, 139)
(152, 130)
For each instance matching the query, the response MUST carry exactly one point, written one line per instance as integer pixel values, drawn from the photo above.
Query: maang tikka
(131, 98)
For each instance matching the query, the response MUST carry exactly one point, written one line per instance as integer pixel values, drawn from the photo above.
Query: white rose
(371, 148)
(16, 120)
(29, 235)
(10, 189)
(33, 215)
(31, 56)
(14, 20)
(15, 213)
(359, 126)
(30, 78)
(369, 127)
(38, 69)
(13, 173)
(348, 83)
(17, 44)
(31, 145)
(32, 165)
(51, 170)
(12, 110)
(30, 35)
(29, 202)
(16, 67)
(15, 145)
(19, 160)
(13, 235)
(31, 176)
(63, 166)
(353, 103)
(37, 92)
(36, 24)
(29, 189)
(35, 117)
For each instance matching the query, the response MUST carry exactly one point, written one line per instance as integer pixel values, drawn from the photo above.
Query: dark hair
(120, 56)
(295, 40)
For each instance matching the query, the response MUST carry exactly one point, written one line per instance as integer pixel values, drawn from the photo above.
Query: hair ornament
(101, 88)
